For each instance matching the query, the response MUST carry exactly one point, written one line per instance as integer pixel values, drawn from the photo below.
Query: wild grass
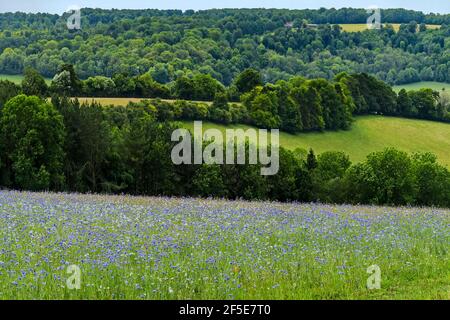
(161, 248)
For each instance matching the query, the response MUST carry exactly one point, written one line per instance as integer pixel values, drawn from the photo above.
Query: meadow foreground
(161, 248)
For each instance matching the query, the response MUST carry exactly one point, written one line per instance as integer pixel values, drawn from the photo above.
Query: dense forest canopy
(169, 44)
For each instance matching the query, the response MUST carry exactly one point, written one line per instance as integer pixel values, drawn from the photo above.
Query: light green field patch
(438, 86)
(121, 101)
(369, 134)
(17, 78)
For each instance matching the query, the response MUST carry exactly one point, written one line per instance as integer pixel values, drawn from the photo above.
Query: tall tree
(32, 141)
(33, 84)
(248, 80)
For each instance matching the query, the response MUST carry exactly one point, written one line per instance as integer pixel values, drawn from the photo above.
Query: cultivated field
(121, 101)
(160, 248)
(369, 134)
(363, 26)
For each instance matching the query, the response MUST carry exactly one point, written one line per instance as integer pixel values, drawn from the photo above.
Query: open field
(363, 26)
(160, 248)
(369, 134)
(121, 101)
(17, 79)
(438, 86)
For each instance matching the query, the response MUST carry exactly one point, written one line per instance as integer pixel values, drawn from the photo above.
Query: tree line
(294, 105)
(68, 146)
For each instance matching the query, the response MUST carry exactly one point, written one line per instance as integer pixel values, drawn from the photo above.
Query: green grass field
(369, 134)
(363, 26)
(438, 86)
(17, 79)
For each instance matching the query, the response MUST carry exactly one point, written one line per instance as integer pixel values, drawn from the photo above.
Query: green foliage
(33, 84)
(11, 61)
(32, 139)
(283, 185)
(146, 87)
(226, 42)
(311, 160)
(432, 180)
(89, 147)
(220, 110)
(310, 107)
(66, 81)
(425, 103)
(370, 95)
(262, 105)
(328, 175)
(8, 90)
(99, 87)
(385, 178)
(127, 149)
(125, 85)
(200, 87)
(208, 181)
(248, 80)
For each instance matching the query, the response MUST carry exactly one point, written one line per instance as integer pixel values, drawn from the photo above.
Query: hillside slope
(371, 133)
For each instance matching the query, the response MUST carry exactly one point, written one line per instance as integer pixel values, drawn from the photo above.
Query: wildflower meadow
(69, 246)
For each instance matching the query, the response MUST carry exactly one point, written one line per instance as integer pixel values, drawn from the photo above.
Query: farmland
(363, 26)
(120, 101)
(161, 248)
(369, 134)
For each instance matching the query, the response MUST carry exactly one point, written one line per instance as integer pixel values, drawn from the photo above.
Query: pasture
(369, 134)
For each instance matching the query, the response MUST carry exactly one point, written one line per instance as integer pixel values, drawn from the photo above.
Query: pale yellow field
(122, 101)
(363, 26)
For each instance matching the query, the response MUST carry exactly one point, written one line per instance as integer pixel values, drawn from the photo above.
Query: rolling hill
(369, 134)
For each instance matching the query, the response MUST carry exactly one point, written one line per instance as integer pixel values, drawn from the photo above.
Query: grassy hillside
(363, 26)
(424, 84)
(372, 133)
(17, 78)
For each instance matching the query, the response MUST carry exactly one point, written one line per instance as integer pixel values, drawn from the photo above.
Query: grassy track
(369, 134)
